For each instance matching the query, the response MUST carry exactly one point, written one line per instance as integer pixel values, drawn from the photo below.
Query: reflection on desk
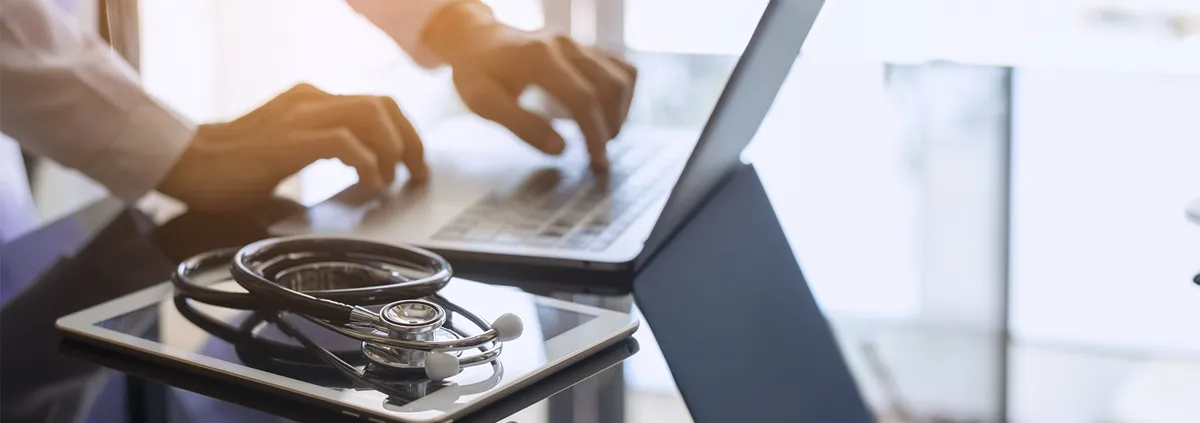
(107, 251)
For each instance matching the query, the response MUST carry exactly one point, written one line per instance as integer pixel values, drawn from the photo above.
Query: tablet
(149, 324)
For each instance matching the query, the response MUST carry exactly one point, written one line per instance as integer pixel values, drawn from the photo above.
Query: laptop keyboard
(573, 209)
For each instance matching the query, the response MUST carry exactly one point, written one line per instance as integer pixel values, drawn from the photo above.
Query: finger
(628, 68)
(566, 84)
(366, 116)
(612, 85)
(631, 75)
(306, 147)
(490, 101)
(413, 154)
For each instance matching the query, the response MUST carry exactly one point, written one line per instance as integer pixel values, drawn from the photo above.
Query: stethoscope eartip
(1196, 279)
(441, 366)
(508, 327)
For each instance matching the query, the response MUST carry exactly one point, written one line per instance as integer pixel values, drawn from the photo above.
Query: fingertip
(600, 163)
(554, 144)
(388, 174)
(419, 171)
(373, 181)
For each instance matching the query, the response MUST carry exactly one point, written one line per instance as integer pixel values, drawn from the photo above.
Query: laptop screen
(747, 97)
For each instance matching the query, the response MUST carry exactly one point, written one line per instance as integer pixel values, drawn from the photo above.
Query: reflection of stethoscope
(298, 362)
(331, 281)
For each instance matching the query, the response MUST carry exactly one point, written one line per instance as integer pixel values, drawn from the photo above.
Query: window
(814, 133)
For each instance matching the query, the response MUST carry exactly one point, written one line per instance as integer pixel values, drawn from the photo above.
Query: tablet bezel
(607, 328)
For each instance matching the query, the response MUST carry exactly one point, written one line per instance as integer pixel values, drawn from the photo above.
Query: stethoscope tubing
(460, 344)
(261, 267)
(335, 306)
(342, 362)
(244, 335)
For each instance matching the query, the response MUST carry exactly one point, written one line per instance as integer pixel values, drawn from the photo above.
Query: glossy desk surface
(111, 250)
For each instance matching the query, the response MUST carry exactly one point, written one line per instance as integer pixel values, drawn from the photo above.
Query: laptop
(535, 212)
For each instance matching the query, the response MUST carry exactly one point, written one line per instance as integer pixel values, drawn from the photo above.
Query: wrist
(174, 180)
(142, 153)
(461, 28)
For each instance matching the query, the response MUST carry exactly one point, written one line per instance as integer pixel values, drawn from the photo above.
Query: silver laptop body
(492, 198)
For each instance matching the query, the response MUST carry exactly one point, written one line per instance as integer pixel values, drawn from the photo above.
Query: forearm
(430, 31)
(68, 97)
(458, 30)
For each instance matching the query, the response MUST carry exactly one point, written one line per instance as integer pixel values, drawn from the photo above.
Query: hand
(493, 64)
(235, 165)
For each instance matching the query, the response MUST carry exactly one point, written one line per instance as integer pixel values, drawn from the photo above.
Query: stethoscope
(298, 362)
(330, 281)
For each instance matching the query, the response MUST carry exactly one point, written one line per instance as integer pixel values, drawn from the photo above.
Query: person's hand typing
(493, 64)
(235, 165)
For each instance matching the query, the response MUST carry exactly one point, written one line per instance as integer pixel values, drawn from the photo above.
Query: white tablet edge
(606, 329)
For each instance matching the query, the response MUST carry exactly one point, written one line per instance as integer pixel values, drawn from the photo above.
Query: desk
(639, 390)
(643, 390)
(122, 251)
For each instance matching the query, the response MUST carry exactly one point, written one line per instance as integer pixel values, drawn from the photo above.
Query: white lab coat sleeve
(405, 22)
(66, 95)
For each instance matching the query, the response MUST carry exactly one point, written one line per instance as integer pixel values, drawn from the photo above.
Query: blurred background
(986, 195)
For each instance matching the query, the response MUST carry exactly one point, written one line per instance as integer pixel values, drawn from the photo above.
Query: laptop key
(524, 228)
(543, 241)
(553, 232)
(571, 208)
(483, 232)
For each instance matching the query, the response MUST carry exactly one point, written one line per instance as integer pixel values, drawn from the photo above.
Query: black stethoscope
(298, 362)
(331, 281)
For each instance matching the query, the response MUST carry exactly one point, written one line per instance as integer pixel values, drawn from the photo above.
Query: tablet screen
(240, 338)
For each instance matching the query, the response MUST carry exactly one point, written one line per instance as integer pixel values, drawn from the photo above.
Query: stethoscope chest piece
(415, 320)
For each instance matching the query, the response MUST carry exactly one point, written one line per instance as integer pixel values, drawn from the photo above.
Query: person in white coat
(65, 95)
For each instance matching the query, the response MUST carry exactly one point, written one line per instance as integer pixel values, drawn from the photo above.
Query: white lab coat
(66, 95)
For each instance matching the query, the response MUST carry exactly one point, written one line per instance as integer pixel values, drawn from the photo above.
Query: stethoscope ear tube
(285, 299)
(248, 265)
(257, 266)
(244, 335)
(183, 281)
